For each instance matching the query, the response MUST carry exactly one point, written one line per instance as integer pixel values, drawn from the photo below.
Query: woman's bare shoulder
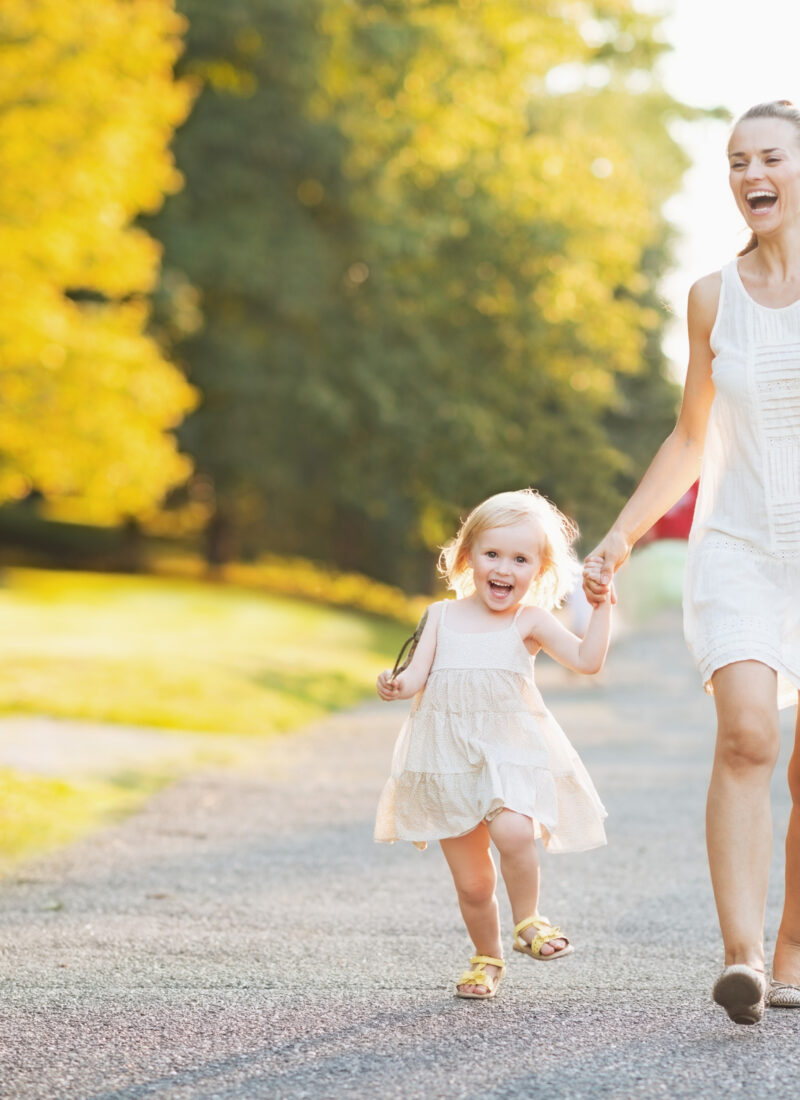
(704, 299)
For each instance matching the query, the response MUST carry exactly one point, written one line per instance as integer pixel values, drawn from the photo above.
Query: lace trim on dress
(777, 386)
(739, 546)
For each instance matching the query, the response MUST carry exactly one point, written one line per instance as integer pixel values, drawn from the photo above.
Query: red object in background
(677, 522)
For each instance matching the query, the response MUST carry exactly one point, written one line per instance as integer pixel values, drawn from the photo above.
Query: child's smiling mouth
(500, 588)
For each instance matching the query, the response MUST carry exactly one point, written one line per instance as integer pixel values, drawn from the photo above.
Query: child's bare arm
(406, 684)
(586, 654)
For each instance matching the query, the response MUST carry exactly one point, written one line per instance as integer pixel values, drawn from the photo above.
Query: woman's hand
(601, 565)
(389, 689)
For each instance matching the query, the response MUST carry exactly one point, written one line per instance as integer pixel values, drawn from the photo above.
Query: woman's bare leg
(738, 817)
(786, 965)
(472, 867)
(512, 833)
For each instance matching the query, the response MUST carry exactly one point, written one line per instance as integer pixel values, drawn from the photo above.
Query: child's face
(505, 563)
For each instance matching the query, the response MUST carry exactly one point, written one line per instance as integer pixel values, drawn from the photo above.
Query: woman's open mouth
(761, 200)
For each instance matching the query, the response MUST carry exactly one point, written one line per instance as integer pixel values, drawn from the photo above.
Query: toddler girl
(480, 757)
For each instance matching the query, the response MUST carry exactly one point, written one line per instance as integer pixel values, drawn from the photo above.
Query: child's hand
(607, 597)
(389, 689)
(597, 584)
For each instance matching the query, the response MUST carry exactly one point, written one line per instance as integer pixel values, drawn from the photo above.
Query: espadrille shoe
(783, 995)
(740, 991)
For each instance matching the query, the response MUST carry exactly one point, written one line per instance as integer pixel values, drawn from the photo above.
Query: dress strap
(730, 286)
(518, 612)
(444, 611)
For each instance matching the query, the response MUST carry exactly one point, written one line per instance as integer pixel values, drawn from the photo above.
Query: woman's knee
(748, 740)
(748, 735)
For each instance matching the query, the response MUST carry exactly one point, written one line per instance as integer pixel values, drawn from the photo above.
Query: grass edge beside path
(166, 654)
(40, 812)
(182, 654)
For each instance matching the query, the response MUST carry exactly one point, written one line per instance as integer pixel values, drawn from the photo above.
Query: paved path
(80, 749)
(241, 936)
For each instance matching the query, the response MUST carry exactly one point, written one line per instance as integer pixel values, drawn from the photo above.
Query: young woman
(740, 422)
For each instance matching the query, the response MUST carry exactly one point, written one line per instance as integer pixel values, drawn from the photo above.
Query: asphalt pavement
(242, 937)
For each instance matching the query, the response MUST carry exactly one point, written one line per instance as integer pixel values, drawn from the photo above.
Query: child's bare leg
(512, 833)
(786, 965)
(475, 878)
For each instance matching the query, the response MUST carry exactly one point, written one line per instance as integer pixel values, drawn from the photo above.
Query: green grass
(176, 654)
(181, 654)
(40, 812)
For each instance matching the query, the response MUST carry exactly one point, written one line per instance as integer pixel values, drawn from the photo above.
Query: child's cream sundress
(479, 739)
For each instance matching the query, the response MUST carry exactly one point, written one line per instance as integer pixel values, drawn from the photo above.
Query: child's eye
(491, 553)
(521, 560)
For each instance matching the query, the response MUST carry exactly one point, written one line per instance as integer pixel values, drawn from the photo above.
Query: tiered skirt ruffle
(477, 742)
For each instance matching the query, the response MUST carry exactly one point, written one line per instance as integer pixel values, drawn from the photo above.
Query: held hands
(390, 689)
(608, 596)
(600, 567)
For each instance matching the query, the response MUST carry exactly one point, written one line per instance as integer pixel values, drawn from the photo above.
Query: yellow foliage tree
(88, 104)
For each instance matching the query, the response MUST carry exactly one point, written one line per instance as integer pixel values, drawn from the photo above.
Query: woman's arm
(586, 654)
(406, 684)
(677, 463)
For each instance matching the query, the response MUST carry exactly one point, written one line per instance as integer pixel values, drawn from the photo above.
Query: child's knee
(512, 833)
(476, 889)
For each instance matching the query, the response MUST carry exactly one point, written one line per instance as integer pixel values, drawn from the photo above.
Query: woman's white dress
(479, 739)
(742, 590)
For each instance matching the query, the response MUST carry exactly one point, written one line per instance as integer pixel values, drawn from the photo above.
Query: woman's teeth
(757, 200)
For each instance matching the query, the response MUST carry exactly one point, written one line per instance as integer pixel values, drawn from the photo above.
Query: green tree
(247, 236)
(88, 103)
(423, 273)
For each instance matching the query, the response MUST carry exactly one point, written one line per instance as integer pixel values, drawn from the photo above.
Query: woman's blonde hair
(559, 563)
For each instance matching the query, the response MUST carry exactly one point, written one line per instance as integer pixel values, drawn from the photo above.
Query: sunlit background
(735, 55)
(288, 287)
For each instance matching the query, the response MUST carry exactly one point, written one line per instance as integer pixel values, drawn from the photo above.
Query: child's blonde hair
(559, 563)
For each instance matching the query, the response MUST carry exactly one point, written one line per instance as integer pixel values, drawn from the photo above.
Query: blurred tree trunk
(220, 540)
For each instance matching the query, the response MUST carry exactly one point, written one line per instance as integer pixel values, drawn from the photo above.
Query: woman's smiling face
(764, 158)
(505, 563)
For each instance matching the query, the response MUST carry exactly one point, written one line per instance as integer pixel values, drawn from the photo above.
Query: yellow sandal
(478, 976)
(545, 933)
